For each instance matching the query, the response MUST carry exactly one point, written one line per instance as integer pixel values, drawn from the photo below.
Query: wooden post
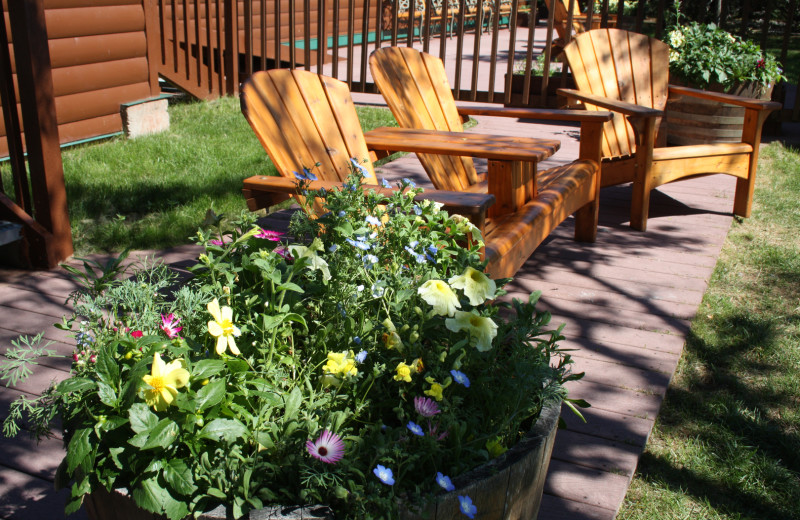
(154, 39)
(231, 53)
(35, 80)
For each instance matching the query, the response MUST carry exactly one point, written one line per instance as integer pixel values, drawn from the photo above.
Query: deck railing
(37, 198)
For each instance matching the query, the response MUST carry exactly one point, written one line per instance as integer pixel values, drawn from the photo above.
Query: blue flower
(444, 481)
(385, 475)
(377, 290)
(373, 220)
(83, 339)
(417, 209)
(460, 377)
(342, 213)
(333, 248)
(432, 249)
(385, 183)
(341, 310)
(364, 172)
(361, 356)
(369, 261)
(359, 242)
(415, 428)
(409, 182)
(310, 176)
(357, 341)
(466, 506)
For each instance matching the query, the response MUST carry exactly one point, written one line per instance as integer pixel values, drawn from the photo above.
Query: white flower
(482, 329)
(476, 286)
(440, 296)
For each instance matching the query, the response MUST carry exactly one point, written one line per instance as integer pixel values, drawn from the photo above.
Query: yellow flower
(403, 373)
(476, 286)
(483, 330)
(435, 391)
(392, 340)
(418, 365)
(341, 364)
(440, 296)
(164, 381)
(222, 328)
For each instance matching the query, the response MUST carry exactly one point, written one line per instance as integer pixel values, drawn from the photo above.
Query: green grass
(152, 192)
(726, 444)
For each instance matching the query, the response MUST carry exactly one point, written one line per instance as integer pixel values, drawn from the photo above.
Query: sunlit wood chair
(302, 119)
(415, 87)
(580, 22)
(627, 73)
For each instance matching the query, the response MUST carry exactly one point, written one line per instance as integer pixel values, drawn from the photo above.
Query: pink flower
(283, 252)
(137, 334)
(169, 324)
(426, 407)
(215, 242)
(328, 448)
(268, 234)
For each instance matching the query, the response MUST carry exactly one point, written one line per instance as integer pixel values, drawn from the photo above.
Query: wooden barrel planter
(508, 487)
(553, 100)
(693, 120)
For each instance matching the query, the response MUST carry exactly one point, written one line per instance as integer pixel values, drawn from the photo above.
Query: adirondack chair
(580, 22)
(302, 118)
(627, 73)
(415, 87)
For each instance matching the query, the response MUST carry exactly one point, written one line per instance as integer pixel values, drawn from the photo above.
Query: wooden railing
(37, 200)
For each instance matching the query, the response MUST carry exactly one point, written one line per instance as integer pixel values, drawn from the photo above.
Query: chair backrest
(415, 87)
(623, 66)
(302, 119)
(562, 14)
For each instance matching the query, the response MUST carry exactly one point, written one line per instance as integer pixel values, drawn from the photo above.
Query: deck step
(9, 232)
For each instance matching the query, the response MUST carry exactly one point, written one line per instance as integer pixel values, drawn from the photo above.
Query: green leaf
(142, 419)
(179, 477)
(289, 286)
(162, 435)
(79, 489)
(107, 367)
(227, 429)
(292, 403)
(210, 395)
(74, 385)
(150, 496)
(78, 449)
(108, 396)
(207, 368)
(216, 493)
(237, 366)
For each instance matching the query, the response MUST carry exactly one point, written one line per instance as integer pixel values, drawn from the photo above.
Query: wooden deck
(627, 301)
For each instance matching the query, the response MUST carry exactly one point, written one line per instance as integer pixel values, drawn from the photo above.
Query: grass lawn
(726, 444)
(152, 192)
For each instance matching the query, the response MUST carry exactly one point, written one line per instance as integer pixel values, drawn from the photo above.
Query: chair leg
(743, 199)
(640, 206)
(586, 220)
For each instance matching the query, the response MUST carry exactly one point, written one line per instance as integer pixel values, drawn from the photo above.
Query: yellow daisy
(222, 328)
(164, 381)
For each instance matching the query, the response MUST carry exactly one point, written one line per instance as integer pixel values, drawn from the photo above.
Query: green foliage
(217, 390)
(704, 55)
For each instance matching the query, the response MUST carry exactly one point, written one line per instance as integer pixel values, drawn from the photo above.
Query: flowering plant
(366, 363)
(703, 55)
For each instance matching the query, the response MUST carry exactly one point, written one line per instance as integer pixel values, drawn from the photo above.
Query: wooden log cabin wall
(99, 55)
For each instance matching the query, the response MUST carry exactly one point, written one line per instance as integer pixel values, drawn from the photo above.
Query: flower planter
(553, 100)
(508, 487)
(693, 120)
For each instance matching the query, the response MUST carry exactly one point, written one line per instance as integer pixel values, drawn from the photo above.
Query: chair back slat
(623, 66)
(302, 119)
(415, 86)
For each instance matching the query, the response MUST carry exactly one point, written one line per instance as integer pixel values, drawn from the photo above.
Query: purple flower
(415, 428)
(267, 234)
(328, 448)
(444, 481)
(384, 475)
(361, 356)
(466, 506)
(460, 378)
(426, 407)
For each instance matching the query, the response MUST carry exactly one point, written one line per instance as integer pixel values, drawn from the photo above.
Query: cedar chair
(580, 22)
(627, 73)
(303, 118)
(415, 87)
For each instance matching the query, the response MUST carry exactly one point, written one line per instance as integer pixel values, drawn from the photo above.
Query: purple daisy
(426, 407)
(328, 448)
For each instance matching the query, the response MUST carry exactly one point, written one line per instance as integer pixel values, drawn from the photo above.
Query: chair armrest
(628, 109)
(537, 113)
(756, 104)
(470, 205)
